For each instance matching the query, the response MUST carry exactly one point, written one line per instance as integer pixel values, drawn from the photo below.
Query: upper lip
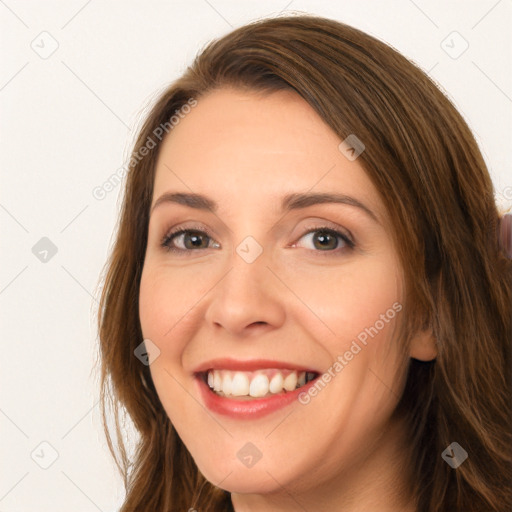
(249, 365)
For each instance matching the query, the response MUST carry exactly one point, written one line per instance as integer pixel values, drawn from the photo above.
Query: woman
(308, 305)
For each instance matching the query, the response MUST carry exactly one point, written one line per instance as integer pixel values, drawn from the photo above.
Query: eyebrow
(289, 202)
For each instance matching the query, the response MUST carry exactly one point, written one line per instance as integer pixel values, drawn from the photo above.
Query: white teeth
(227, 385)
(290, 383)
(217, 381)
(276, 384)
(259, 386)
(240, 384)
(255, 384)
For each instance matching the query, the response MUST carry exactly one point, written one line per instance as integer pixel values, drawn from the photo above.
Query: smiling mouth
(248, 385)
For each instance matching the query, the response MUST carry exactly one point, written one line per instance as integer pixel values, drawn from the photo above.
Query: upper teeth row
(255, 384)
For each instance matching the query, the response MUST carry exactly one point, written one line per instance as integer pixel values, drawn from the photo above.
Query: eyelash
(349, 244)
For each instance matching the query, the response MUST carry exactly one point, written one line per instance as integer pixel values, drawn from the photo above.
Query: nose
(248, 300)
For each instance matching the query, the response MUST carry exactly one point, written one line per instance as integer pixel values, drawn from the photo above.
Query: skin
(297, 302)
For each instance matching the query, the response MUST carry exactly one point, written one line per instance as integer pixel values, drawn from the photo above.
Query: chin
(234, 478)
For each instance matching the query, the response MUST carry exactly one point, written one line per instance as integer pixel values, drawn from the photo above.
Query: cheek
(166, 304)
(370, 311)
(351, 300)
(168, 319)
(153, 304)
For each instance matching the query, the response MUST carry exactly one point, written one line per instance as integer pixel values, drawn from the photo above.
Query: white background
(67, 122)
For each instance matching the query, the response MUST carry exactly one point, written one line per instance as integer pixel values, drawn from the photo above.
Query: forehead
(257, 145)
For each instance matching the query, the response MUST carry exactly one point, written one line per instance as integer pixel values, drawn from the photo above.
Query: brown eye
(187, 240)
(328, 240)
(325, 240)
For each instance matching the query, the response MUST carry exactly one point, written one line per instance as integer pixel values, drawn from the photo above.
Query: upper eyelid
(326, 224)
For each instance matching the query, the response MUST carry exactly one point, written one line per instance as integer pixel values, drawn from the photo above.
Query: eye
(326, 239)
(182, 240)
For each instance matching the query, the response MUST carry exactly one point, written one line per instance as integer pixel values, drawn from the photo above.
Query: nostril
(254, 324)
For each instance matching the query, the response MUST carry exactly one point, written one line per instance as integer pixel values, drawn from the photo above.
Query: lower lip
(248, 409)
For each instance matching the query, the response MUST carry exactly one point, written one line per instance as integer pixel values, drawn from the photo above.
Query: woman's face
(275, 283)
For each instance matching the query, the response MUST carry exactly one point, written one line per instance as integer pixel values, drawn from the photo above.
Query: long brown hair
(425, 163)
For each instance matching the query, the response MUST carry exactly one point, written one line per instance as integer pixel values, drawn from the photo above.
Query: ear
(423, 346)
